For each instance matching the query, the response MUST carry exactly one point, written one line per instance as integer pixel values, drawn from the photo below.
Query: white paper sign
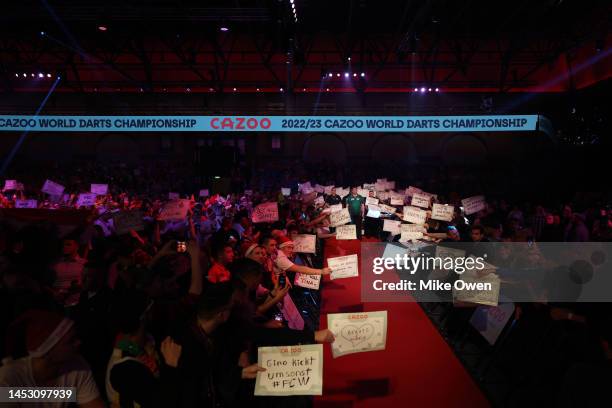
(26, 204)
(369, 186)
(335, 207)
(174, 210)
(343, 266)
(286, 191)
(489, 321)
(392, 226)
(52, 188)
(410, 232)
(357, 332)
(86, 200)
(338, 218)
(346, 232)
(421, 200)
(373, 211)
(124, 221)
(442, 212)
(387, 209)
(371, 201)
(204, 193)
(265, 212)
(307, 281)
(290, 370)
(474, 204)
(12, 185)
(173, 196)
(305, 243)
(99, 189)
(484, 295)
(414, 215)
(397, 201)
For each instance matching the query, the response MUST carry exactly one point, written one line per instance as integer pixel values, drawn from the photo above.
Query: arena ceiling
(331, 46)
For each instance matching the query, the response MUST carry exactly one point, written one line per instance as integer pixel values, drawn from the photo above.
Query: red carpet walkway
(417, 369)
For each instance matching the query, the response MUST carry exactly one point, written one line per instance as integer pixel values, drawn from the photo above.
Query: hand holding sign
(290, 370)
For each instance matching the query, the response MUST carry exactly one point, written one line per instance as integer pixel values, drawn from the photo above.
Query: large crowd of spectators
(171, 312)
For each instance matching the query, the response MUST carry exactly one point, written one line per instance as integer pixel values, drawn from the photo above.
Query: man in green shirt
(356, 206)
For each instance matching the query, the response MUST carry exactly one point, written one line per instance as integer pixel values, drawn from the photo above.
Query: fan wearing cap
(43, 349)
(283, 263)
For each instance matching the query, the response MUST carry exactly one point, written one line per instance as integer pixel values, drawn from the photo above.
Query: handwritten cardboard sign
(343, 266)
(476, 295)
(204, 193)
(265, 212)
(474, 204)
(335, 207)
(26, 204)
(346, 232)
(421, 200)
(442, 212)
(371, 201)
(286, 191)
(290, 370)
(411, 231)
(489, 321)
(341, 217)
(174, 210)
(414, 215)
(12, 185)
(357, 332)
(99, 189)
(305, 243)
(307, 281)
(86, 200)
(52, 188)
(394, 227)
(397, 201)
(410, 191)
(387, 209)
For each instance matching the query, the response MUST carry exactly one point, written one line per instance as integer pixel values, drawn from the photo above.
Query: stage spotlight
(327, 89)
(188, 90)
(42, 33)
(437, 89)
(330, 75)
(257, 89)
(303, 89)
(338, 75)
(234, 89)
(102, 28)
(32, 75)
(48, 75)
(346, 74)
(224, 29)
(281, 89)
(349, 59)
(429, 90)
(416, 89)
(354, 75)
(422, 89)
(17, 75)
(363, 74)
(41, 75)
(217, 177)
(25, 75)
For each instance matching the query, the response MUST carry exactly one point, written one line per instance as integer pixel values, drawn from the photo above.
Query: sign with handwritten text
(357, 332)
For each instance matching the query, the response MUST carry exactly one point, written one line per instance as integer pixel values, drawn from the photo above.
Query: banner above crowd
(471, 123)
